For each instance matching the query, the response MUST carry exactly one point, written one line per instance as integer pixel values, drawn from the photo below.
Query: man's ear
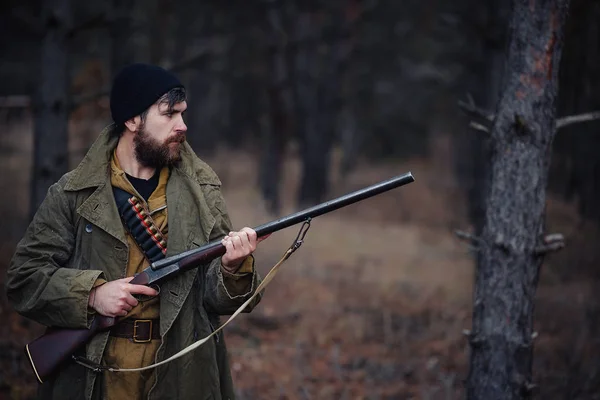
(133, 124)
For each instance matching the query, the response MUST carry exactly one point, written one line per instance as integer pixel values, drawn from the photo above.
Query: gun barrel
(214, 249)
(334, 204)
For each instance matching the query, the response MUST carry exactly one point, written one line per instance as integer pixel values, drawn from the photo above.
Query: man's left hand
(239, 245)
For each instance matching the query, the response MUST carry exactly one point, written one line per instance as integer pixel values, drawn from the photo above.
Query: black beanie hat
(136, 87)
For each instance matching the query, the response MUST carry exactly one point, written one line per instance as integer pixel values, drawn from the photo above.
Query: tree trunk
(207, 91)
(280, 106)
(50, 144)
(313, 180)
(349, 139)
(508, 261)
(142, 29)
(120, 34)
(318, 71)
(349, 133)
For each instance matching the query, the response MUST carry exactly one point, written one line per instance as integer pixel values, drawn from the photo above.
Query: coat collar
(94, 169)
(100, 208)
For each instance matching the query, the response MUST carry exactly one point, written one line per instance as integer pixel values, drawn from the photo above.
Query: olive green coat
(77, 236)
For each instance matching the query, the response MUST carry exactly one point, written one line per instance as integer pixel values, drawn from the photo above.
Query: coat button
(88, 228)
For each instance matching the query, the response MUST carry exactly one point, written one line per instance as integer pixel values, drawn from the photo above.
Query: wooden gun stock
(54, 347)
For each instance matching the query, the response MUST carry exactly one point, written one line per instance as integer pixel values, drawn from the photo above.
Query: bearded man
(79, 254)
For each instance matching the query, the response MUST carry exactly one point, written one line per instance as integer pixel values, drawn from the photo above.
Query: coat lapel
(190, 224)
(101, 210)
(94, 171)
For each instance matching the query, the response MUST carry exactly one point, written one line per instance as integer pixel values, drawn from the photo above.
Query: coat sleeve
(225, 292)
(38, 285)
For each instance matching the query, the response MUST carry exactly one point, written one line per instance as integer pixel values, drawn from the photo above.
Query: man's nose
(181, 126)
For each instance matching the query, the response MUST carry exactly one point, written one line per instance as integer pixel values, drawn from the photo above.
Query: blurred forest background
(295, 102)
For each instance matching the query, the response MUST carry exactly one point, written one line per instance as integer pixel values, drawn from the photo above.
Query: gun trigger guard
(142, 297)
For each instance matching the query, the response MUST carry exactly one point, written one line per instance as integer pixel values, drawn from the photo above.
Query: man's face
(158, 140)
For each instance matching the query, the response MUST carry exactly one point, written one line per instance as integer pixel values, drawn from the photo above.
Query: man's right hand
(115, 298)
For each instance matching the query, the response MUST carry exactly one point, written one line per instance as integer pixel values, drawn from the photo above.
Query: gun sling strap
(268, 278)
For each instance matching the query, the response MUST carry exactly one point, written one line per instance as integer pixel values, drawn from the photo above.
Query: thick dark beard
(152, 154)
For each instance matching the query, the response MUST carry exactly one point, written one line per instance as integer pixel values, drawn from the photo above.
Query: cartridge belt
(140, 225)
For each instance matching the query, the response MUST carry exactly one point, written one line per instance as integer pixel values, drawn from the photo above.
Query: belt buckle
(135, 327)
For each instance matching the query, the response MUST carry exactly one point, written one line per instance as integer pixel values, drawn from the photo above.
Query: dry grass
(372, 305)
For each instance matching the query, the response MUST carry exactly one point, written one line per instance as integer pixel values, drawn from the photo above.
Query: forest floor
(374, 304)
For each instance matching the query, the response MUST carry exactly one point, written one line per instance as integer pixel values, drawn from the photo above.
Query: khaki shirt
(121, 352)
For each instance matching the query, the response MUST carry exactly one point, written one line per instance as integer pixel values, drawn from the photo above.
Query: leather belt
(137, 330)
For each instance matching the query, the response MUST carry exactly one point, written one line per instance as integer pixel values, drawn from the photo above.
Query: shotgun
(56, 345)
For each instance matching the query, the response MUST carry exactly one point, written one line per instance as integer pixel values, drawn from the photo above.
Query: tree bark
(508, 263)
(50, 144)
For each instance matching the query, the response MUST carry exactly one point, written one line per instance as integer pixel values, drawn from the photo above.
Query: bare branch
(464, 235)
(575, 119)
(475, 341)
(530, 387)
(471, 99)
(534, 335)
(474, 241)
(467, 236)
(549, 248)
(472, 109)
(554, 237)
(479, 127)
(552, 242)
(560, 122)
